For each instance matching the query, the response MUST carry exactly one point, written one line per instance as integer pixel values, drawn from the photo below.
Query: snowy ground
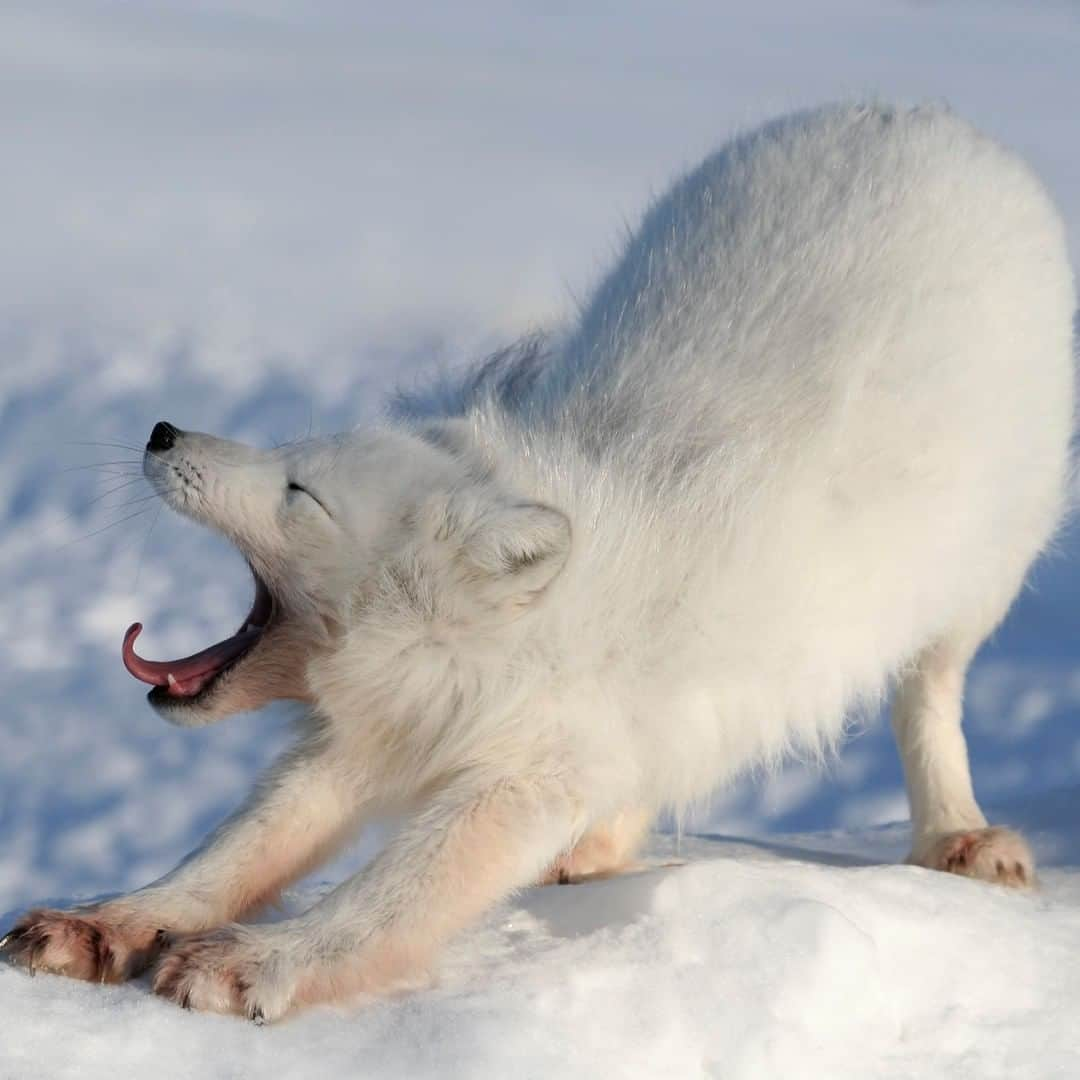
(253, 219)
(791, 956)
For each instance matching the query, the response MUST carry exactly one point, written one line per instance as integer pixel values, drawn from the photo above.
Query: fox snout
(237, 491)
(226, 485)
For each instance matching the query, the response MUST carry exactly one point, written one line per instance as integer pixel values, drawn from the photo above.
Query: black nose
(163, 437)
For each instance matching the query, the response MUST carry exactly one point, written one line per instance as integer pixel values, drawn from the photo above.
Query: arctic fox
(801, 446)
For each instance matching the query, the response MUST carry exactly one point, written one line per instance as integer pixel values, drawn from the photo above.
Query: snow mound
(803, 957)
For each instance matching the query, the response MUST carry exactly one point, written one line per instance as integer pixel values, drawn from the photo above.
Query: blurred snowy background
(253, 218)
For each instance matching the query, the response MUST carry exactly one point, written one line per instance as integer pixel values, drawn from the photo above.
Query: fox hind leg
(949, 831)
(605, 850)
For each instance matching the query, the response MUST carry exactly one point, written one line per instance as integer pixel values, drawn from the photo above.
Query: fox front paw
(229, 970)
(86, 943)
(994, 854)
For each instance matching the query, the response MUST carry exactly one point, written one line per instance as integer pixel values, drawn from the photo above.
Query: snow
(254, 219)
(792, 956)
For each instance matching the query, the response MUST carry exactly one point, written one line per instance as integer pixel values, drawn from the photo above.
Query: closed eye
(294, 486)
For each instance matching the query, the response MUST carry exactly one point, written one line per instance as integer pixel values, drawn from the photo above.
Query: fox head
(368, 550)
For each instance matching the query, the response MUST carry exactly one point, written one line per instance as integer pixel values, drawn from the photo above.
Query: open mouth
(192, 676)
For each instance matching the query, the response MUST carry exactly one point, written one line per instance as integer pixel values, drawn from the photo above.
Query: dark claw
(256, 1017)
(35, 953)
(100, 951)
(105, 960)
(185, 1001)
(31, 948)
(12, 937)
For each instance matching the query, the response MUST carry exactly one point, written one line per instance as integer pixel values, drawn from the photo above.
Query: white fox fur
(806, 438)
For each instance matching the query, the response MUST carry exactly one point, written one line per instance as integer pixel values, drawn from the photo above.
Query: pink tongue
(187, 676)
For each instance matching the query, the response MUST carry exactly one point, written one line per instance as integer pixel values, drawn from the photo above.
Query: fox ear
(514, 551)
